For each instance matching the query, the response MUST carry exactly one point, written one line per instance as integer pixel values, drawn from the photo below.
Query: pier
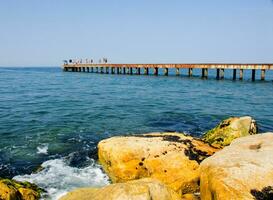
(148, 69)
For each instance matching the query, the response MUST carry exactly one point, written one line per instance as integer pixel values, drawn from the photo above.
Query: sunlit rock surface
(243, 170)
(172, 158)
(142, 189)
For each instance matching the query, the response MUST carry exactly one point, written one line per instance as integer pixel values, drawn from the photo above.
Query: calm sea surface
(55, 119)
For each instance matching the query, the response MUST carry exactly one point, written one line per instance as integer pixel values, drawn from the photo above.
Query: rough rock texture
(230, 129)
(14, 190)
(143, 189)
(172, 158)
(243, 170)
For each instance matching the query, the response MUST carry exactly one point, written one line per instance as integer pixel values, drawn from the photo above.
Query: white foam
(58, 178)
(42, 149)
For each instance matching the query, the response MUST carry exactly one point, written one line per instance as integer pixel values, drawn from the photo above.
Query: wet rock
(243, 170)
(15, 190)
(171, 158)
(230, 129)
(143, 189)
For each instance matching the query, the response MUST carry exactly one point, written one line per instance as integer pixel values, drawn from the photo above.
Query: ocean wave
(42, 149)
(57, 178)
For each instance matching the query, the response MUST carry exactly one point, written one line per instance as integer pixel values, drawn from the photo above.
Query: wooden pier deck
(110, 68)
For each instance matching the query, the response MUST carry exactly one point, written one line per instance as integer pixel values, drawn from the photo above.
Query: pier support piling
(217, 74)
(263, 74)
(146, 71)
(241, 74)
(155, 71)
(190, 72)
(253, 74)
(138, 71)
(234, 74)
(177, 72)
(131, 71)
(166, 71)
(107, 70)
(204, 73)
(222, 73)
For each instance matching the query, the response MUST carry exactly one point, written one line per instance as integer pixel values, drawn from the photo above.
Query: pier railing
(136, 68)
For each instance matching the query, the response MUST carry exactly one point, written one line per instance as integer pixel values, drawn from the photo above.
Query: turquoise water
(56, 118)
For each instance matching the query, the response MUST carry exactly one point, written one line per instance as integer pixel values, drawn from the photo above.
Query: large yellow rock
(143, 189)
(243, 170)
(8, 192)
(172, 158)
(15, 190)
(230, 129)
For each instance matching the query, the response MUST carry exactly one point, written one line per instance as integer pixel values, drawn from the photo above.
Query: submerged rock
(15, 190)
(230, 129)
(243, 170)
(171, 158)
(143, 189)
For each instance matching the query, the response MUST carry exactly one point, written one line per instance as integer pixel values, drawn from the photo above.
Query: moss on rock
(228, 130)
(15, 190)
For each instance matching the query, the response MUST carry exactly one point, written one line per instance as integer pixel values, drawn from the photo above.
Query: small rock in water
(15, 190)
(230, 129)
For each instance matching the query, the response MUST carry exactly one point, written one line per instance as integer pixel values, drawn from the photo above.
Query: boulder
(230, 129)
(243, 170)
(171, 158)
(143, 189)
(15, 190)
(8, 192)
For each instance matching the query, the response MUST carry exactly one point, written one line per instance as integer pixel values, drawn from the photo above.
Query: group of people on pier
(86, 61)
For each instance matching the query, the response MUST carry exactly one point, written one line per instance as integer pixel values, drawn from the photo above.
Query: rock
(143, 189)
(8, 192)
(190, 197)
(28, 194)
(230, 129)
(171, 158)
(243, 170)
(15, 190)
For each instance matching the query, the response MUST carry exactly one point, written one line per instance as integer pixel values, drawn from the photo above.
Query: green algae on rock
(15, 190)
(230, 129)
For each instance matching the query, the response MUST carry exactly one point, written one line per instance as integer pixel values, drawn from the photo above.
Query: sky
(45, 32)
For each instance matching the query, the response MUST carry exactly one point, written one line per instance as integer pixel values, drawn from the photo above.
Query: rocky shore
(230, 161)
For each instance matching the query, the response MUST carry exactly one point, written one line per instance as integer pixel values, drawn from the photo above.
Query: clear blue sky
(44, 32)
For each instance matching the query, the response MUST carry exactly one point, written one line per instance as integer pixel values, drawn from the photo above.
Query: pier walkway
(136, 69)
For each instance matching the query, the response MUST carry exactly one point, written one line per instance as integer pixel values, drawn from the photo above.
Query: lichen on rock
(228, 130)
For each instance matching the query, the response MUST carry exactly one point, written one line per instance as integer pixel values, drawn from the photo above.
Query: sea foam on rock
(171, 158)
(230, 129)
(142, 189)
(243, 170)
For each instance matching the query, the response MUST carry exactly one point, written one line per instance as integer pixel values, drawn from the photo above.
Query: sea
(51, 121)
